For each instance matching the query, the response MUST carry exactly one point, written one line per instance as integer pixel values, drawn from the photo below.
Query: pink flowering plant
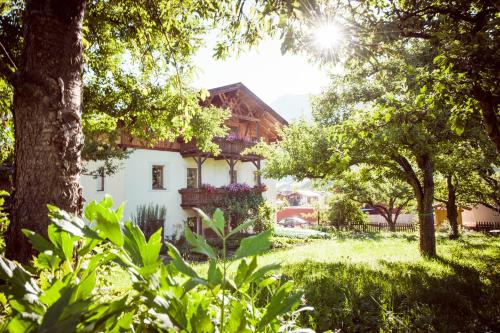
(237, 188)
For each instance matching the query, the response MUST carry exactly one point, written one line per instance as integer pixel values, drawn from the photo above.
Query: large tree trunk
(426, 211)
(424, 193)
(47, 119)
(451, 208)
(489, 112)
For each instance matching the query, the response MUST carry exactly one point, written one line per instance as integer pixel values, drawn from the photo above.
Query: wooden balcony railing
(198, 197)
(228, 148)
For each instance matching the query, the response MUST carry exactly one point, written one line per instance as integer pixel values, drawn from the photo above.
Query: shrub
(4, 220)
(266, 217)
(67, 295)
(343, 212)
(149, 218)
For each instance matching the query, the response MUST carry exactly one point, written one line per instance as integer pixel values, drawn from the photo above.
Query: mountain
(293, 107)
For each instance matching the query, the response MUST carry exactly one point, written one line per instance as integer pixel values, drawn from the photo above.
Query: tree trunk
(426, 211)
(489, 112)
(451, 208)
(47, 119)
(424, 193)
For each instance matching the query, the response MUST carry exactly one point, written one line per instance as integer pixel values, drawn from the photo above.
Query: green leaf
(38, 242)
(281, 303)
(237, 320)
(199, 244)
(179, 263)
(254, 245)
(214, 273)
(241, 227)
(208, 221)
(218, 220)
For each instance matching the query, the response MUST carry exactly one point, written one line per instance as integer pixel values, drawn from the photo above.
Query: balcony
(199, 197)
(228, 149)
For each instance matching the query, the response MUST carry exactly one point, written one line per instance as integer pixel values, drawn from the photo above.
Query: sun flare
(327, 36)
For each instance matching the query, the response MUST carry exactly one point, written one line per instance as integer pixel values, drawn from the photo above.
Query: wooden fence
(377, 227)
(484, 226)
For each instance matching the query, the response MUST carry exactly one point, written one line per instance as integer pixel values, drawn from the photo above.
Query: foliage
(266, 217)
(463, 34)
(344, 212)
(149, 218)
(378, 188)
(299, 233)
(377, 285)
(4, 220)
(66, 292)
(283, 242)
(241, 203)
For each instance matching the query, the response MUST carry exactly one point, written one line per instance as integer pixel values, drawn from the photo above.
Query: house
(178, 176)
(299, 204)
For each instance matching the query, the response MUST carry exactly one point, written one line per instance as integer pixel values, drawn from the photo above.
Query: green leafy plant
(4, 219)
(62, 292)
(149, 218)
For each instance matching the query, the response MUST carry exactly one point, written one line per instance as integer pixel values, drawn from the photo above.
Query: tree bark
(489, 112)
(451, 208)
(424, 193)
(47, 119)
(426, 211)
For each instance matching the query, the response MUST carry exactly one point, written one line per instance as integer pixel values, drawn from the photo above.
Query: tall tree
(463, 167)
(463, 33)
(378, 189)
(381, 115)
(133, 57)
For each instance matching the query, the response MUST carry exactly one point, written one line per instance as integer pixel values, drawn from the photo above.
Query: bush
(343, 212)
(4, 220)
(67, 294)
(266, 217)
(149, 218)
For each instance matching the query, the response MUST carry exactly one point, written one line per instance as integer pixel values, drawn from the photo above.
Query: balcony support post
(199, 162)
(231, 161)
(257, 165)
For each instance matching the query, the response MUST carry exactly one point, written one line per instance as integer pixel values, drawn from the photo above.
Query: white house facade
(175, 174)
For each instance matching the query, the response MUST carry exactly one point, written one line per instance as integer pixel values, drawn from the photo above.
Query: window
(158, 179)
(192, 178)
(233, 178)
(100, 181)
(192, 224)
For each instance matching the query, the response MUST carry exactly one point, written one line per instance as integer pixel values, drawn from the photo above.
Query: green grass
(380, 283)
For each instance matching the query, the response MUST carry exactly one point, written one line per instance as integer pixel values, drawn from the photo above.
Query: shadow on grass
(446, 294)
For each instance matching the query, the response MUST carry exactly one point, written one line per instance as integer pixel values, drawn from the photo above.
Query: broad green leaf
(218, 220)
(254, 245)
(214, 276)
(199, 244)
(237, 319)
(282, 302)
(241, 227)
(208, 221)
(179, 263)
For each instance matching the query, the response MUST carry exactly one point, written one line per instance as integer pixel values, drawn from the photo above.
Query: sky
(264, 70)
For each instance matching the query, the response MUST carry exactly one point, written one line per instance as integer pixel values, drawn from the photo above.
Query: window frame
(100, 181)
(195, 185)
(163, 177)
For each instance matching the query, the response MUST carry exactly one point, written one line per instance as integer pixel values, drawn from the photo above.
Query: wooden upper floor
(251, 120)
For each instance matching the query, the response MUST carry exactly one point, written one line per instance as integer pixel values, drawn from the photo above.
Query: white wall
(479, 213)
(132, 183)
(402, 218)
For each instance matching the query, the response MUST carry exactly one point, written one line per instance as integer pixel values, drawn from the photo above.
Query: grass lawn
(380, 283)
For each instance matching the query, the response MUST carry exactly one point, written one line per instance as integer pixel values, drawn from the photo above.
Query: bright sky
(264, 70)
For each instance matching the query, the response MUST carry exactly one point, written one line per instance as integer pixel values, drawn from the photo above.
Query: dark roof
(242, 87)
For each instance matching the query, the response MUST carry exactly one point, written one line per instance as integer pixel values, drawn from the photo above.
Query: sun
(327, 36)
